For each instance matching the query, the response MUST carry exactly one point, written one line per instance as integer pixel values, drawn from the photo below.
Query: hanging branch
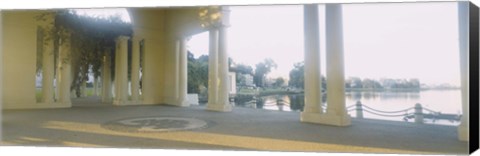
(90, 38)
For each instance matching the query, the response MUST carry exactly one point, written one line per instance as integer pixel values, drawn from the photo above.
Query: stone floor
(87, 125)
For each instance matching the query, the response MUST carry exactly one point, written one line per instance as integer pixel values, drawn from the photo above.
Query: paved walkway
(242, 129)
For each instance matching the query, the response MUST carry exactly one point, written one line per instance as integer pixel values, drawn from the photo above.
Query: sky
(381, 40)
(105, 13)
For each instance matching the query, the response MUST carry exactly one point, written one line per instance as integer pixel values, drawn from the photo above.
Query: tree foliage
(241, 72)
(279, 82)
(197, 73)
(90, 38)
(261, 70)
(297, 76)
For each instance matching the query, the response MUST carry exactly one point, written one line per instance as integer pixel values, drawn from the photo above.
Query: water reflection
(382, 95)
(290, 102)
(447, 102)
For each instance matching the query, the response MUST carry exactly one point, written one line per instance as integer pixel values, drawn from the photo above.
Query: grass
(266, 91)
(39, 93)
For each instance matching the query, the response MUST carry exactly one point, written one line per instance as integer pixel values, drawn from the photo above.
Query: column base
(327, 119)
(463, 133)
(36, 105)
(173, 102)
(119, 102)
(107, 100)
(183, 103)
(219, 107)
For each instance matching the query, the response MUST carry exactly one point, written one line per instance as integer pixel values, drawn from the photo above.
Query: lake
(444, 101)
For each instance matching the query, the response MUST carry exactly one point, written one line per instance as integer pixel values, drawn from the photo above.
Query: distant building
(232, 87)
(249, 80)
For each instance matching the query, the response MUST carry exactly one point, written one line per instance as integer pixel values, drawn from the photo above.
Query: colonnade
(121, 83)
(463, 36)
(60, 95)
(218, 93)
(335, 112)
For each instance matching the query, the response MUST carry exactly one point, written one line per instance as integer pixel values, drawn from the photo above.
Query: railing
(417, 114)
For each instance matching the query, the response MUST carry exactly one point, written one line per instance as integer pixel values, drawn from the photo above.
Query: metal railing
(417, 114)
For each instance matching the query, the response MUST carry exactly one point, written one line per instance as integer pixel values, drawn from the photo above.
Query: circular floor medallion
(155, 124)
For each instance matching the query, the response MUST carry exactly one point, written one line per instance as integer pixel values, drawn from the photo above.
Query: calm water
(444, 101)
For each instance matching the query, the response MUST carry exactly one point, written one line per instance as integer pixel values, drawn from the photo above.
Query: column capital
(122, 38)
(136, 38)
(224, 19)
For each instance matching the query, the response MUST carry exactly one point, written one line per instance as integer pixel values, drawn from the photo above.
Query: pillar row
(48, 71)
(96, 86)
(336, 109)
(1, 74)
(135, 82)
(64, 72)
(313, 94)
(463, 25)
(313, 112)
(212, 69)
(181, 68)
(83, 89)
(121, 71)
(106, 78)
(220, 81)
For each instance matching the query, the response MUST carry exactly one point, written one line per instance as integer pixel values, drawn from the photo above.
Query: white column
(106, 78)
(335, 66)
(121, 72)
(223, 103)
(98, 82)
(83, 89)
(142, 79)
(47, 71)
(64, 73)
(182, 75)
(95, 86)
(1, 74)
(463, 34)
(223, 91)
(57, 79)
(336, 113)
(176, 72)
(313, 94)
(135, 68)
(212, 69)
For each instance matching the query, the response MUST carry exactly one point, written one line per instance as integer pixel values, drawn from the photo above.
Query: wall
(161, 27)
(183, 22)
(180, 23)
(232, 83)
(149, 24)
(19, 42)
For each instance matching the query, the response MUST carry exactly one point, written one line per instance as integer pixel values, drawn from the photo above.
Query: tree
(355, 82)
(297, 76)
(261, 70)
(241, 70)
(244, 69)
(91, 38)
(414, 83)
(279, 82)
(197, 73)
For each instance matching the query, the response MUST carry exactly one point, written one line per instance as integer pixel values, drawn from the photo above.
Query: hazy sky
(396, 40)
(391, 40)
